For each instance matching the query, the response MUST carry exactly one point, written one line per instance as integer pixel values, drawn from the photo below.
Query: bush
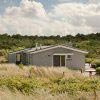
(73, 85)
(88, 60)
(24, 85)
(97, 64)
(98, 70)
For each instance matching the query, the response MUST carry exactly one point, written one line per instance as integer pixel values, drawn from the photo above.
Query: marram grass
(46, 83)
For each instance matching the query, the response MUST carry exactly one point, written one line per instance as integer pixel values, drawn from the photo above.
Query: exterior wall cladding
(12, 58)
(45, 58)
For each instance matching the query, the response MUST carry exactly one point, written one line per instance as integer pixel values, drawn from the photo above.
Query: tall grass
(39, 72)
(46, 83)
(8, 70)
(45, 95)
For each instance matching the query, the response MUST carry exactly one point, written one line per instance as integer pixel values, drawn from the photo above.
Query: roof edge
(53, 47)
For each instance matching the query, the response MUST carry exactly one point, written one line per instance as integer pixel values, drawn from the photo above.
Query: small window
(18, 57)
(69, 57)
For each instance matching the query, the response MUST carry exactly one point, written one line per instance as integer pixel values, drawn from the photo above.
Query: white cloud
(79, 1)
(94, 1)
(30, 18)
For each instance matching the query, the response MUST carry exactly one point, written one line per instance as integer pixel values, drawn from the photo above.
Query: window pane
(56, 60)
(62, 60)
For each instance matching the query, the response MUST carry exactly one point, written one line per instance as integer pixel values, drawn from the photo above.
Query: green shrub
(24, 85)
(98, 70)
(73, 85)
(88, 60)
(97, 64)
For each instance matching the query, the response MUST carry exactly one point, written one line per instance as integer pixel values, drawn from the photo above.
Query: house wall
(45, 58)
(78, 60)
(12, 58)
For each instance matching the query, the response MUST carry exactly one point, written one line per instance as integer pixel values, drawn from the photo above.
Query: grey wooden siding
(12, 58)
(45, 58)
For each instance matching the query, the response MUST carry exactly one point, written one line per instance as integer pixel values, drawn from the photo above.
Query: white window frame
(60, 54)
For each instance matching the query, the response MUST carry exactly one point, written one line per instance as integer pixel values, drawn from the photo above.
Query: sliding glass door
(56, 60)
(62, 60)
(59, 60)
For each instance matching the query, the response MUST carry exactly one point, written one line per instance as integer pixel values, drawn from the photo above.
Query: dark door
(56, 60)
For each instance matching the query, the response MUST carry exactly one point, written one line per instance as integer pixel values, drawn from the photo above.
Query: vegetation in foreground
(47, 83)
(45, 95)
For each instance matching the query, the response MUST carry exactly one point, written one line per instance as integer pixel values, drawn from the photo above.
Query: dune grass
(46, 83)
(45, 95)
(8, 70)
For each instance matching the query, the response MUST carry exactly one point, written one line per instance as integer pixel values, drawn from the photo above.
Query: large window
(59, 60)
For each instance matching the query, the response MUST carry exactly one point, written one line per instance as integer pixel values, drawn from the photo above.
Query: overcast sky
(49, 17)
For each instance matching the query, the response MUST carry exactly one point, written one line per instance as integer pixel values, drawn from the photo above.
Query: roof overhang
(60, 46)
(63, 54)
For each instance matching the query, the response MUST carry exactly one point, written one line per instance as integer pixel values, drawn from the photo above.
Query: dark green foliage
(98, 70)
(88, 60)
(72, 85)
(24, 85)
(90, 42)
(97, 64)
